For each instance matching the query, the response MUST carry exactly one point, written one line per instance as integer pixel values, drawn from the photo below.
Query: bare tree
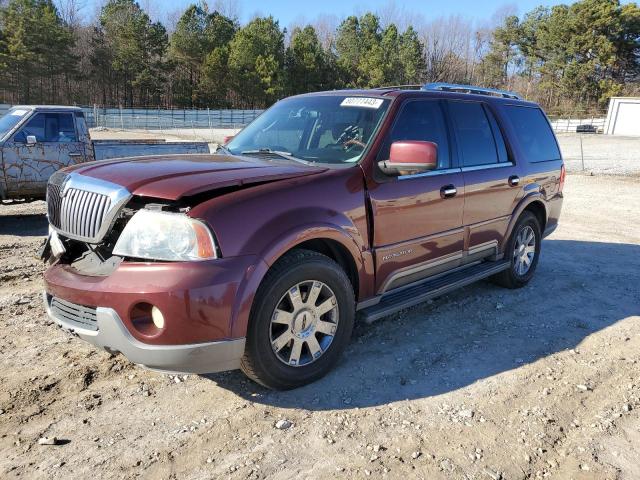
(449, 50)
(72, 12)
(229, 8)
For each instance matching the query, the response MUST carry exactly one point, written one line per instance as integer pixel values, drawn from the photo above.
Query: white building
(623, 117)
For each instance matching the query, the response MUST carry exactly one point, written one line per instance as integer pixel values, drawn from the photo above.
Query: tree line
(566, 57)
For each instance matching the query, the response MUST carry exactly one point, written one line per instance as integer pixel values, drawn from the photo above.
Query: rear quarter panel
(540, 180)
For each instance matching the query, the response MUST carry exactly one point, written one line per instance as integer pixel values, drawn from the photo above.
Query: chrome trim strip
(490, 245)
(488, 166)
(429, 264)
(431, 173)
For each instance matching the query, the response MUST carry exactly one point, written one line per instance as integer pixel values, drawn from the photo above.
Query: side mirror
(407, 157)
(31, 140)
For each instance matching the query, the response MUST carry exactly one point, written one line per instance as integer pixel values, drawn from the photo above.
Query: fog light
(157, 317)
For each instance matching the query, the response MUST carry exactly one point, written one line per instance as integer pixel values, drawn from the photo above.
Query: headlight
(165, 236)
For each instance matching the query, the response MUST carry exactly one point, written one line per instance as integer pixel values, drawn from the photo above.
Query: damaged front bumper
(103, 328)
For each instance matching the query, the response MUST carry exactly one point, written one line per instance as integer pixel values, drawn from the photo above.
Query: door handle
(75, 154)
(448, 191)
(514, 180)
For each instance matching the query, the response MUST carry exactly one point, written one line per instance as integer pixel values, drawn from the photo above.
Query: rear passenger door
(492, 183)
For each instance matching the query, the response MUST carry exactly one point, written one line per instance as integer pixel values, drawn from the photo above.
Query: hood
(171, 177)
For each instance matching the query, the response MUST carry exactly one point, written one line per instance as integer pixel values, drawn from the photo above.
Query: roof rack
(400, 87)
(452, 87)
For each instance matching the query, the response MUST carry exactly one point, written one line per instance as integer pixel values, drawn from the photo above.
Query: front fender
(275, 250)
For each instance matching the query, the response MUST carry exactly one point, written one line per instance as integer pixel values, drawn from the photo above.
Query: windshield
(327, 129)
(11, 119)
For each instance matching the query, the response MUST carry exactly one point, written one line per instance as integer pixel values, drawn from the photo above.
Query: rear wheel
(523, 250)
(300, 323)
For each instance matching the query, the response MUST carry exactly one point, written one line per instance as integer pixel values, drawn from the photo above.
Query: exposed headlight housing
(168, 236)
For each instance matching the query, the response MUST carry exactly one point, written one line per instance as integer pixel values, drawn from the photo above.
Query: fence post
(581, 153)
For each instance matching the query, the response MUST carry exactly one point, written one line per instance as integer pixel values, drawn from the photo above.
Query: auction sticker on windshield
(18, 113)
(362, 102)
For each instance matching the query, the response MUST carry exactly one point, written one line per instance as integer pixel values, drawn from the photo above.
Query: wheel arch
(533, 203)
(333, 242)
(538, 208)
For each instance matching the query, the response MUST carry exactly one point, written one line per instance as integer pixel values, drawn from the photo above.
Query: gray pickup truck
(36, 141)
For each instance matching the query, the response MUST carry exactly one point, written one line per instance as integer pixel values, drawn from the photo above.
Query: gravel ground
(600, 154)
(484, 383)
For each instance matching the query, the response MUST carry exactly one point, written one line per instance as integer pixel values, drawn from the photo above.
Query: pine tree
(256, 61)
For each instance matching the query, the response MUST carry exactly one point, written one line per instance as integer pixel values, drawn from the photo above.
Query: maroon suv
(327, 205)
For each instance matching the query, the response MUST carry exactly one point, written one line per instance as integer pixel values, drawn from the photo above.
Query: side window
(503, 155)
(474, 136)
(49, 127)
(420, 120)
(35, 127)
(533, 133)
(82, 125)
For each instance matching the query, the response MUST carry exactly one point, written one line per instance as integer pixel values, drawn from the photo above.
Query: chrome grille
(82, 207)
(75, 315)
(53, 204)
(82, 212)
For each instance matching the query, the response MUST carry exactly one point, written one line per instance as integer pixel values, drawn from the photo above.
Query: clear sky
(290, 12)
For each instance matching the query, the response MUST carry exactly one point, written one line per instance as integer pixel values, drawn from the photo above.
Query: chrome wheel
(304, 323)
(524, 251)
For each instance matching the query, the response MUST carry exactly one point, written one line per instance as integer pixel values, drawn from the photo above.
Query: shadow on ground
(28, 225)
(475, 333)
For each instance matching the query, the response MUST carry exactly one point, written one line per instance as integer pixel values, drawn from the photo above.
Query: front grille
(82, 207)
(76, 315)
(82, 212)
(53, 203)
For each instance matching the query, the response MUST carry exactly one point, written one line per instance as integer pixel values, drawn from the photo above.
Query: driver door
(29, 166)
(417, 219)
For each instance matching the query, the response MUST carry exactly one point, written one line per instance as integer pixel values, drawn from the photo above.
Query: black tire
(510, 278)
(260, 362)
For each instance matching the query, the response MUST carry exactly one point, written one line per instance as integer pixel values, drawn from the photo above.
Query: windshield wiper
(279, 153)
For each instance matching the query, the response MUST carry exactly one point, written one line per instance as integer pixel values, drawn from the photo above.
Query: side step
(410, 296)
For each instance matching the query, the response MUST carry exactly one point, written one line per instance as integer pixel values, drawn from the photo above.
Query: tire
(514, 276)
(314, 282)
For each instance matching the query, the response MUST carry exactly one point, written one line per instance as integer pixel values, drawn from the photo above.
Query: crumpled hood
(174, 176)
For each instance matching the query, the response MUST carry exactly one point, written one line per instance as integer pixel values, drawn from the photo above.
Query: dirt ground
(484, 383)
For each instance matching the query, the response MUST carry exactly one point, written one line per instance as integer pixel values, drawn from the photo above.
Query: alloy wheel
(304, 323)
(524, 251)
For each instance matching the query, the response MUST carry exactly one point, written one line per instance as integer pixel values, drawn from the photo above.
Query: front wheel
(523, 250)
(300, 323)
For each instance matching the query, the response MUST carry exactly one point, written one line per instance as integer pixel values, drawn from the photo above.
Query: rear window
(533, 133)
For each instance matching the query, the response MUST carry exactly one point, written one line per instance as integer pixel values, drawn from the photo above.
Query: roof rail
(399, 87)
(452, 87)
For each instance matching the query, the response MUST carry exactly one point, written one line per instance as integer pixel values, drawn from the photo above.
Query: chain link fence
(162, 119)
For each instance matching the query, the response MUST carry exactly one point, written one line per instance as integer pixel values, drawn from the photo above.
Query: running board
(410, 296)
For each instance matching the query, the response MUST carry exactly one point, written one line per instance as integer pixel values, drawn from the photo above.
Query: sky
(297, 12)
